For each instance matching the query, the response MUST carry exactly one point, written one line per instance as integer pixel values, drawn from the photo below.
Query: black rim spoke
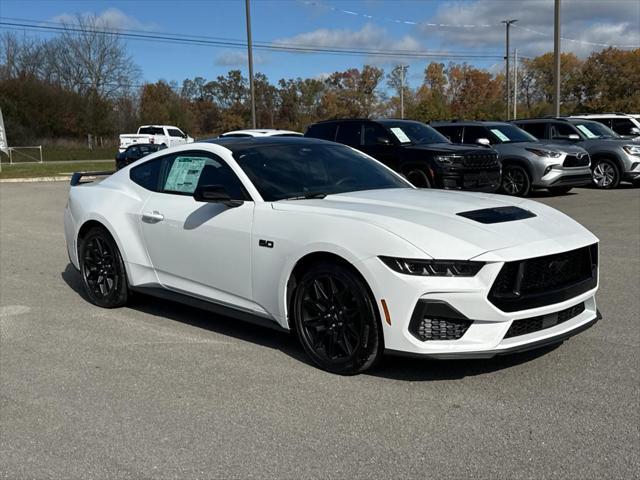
(99, 268)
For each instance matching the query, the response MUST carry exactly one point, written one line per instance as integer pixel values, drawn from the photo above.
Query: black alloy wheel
(103, 273)
(418, 179)
(336, 320)
(515, 181)
(606, 174)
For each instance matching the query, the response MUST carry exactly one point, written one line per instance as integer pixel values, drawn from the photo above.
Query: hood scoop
(497, 214)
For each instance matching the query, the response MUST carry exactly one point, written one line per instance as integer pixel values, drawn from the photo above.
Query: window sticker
(400, 135)
(586, 131)
(184, 174)
(500, 135)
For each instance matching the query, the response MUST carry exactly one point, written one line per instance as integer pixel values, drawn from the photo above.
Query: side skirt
(209, 306)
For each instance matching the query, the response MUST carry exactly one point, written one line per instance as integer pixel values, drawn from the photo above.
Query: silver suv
(613, 159)
(527, 163)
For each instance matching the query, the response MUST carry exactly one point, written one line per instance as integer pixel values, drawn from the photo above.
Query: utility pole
(250, 57)
(556, 59)
(508, 24)
(402, 67)
(515, 84)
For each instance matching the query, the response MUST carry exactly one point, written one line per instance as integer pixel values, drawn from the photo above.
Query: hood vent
(497, 215)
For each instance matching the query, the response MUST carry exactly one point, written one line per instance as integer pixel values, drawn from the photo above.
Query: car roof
(241, 143)
(442, 123)
(377, 120)
(258, 132)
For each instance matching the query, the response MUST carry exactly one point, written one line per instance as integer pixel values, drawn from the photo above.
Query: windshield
(298, 170)
(415, 133)
(510, 134)
(595, 130)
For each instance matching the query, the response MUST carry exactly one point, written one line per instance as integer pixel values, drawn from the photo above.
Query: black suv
(136, 152)
(417, 151)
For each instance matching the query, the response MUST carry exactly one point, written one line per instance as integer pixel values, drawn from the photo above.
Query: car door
(472, 133)
(198, 247)
(378, 143)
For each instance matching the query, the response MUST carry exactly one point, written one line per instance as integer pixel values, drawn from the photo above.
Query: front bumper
(487, 180)
(575, 177)
(486, 336)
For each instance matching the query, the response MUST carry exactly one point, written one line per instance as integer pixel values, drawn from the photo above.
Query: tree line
(73, 85)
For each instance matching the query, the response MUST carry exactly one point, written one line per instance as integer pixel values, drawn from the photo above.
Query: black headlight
(433, 268)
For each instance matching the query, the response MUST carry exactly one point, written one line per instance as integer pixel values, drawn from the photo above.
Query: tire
(418, 179)
(559, 190)
(606, 174)
(336, 319)
(103, 274)
(515, 181)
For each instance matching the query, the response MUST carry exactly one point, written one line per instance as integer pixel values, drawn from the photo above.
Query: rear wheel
(418, 179)
(515, 181)
(606, 174)
(103, 273)
(336, 320)
(559, 190)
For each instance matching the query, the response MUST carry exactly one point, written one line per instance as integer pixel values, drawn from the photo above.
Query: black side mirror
(215, 194)
(383, 141)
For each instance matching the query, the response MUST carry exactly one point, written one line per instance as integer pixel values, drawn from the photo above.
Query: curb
(35, 179)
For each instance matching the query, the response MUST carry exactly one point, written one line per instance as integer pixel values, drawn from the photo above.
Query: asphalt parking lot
(158, 390)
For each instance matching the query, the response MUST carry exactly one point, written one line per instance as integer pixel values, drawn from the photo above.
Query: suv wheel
(515, 181)
(606, 174)
(418, 179)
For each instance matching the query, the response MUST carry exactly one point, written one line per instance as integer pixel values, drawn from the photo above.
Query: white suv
(627, 126)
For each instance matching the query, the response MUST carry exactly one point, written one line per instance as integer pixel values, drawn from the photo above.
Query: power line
(276, 47)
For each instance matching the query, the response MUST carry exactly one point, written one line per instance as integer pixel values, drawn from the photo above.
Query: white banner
(4, 145)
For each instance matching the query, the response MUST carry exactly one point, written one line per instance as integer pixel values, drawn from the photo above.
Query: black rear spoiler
(77, 176)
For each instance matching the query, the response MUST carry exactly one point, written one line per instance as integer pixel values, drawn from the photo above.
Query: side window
(562, 130)
(133, 151)
(375, 134)
(174, 132)
(453, 133)
(622, 126)
(349, 133)
(535, 129)
(473, 132)
(149, 174)
(323, 131)
(190, 170)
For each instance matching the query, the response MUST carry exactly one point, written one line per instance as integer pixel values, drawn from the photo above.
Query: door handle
(152, 217)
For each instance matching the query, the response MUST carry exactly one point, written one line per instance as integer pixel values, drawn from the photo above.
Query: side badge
(265, 243)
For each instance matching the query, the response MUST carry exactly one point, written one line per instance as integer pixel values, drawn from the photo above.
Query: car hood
(429, 220)
(449, 148)
(549, 145)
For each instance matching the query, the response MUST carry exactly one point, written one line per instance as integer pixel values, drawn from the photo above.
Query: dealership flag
(4, 146)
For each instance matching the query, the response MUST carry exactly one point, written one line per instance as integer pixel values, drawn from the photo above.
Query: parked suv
(613, 158)
(417, 151)
(526, 162)
(627, 126)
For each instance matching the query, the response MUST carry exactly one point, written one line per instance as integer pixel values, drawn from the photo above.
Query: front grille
(545, 280)
(480, 160)
(581, 160)
(535, 324)
(440, 329)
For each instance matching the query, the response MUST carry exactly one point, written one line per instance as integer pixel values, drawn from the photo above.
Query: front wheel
(103, 273)
(559, 190)
(418, 179)
(515, 181)
(336, 320)
(606, 174)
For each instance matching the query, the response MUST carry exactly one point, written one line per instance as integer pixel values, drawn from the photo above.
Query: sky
(448, 28)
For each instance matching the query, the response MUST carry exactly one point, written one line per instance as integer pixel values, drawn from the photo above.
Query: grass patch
(31, 170)
(61, 154)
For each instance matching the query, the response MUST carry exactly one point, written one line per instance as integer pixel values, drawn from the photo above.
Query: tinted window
(452, 133)
(149, 174)
(562, 130)
(235, 135)
(190, 170)
(375, 134)
(174, 132)
(507, 134)
(151, 131)
(285, 171)
(415, 133)
(622, 126)
(133, 151)
(473, 132)
(535, 129)
(349, 133)
(324, 131)
(594, 129)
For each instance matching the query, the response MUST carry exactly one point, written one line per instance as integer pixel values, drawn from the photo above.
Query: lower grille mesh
(441, 329)
(535, 324)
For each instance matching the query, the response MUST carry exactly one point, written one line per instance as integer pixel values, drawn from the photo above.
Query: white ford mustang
(318, 238)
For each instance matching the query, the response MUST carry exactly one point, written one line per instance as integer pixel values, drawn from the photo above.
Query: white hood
(427, 219)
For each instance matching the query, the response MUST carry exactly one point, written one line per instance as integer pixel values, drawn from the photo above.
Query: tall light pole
(556, 59)
(515, 84)
(508, 24)
(402, 68)
(250, 56)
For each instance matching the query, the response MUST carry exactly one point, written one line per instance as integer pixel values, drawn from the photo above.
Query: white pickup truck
(159, 134)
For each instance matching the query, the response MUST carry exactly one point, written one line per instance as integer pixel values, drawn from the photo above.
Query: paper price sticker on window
(500, 135)
(586, 131)
(184, 174)
(400, 135)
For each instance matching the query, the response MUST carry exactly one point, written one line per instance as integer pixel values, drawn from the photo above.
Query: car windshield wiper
(308, 196)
